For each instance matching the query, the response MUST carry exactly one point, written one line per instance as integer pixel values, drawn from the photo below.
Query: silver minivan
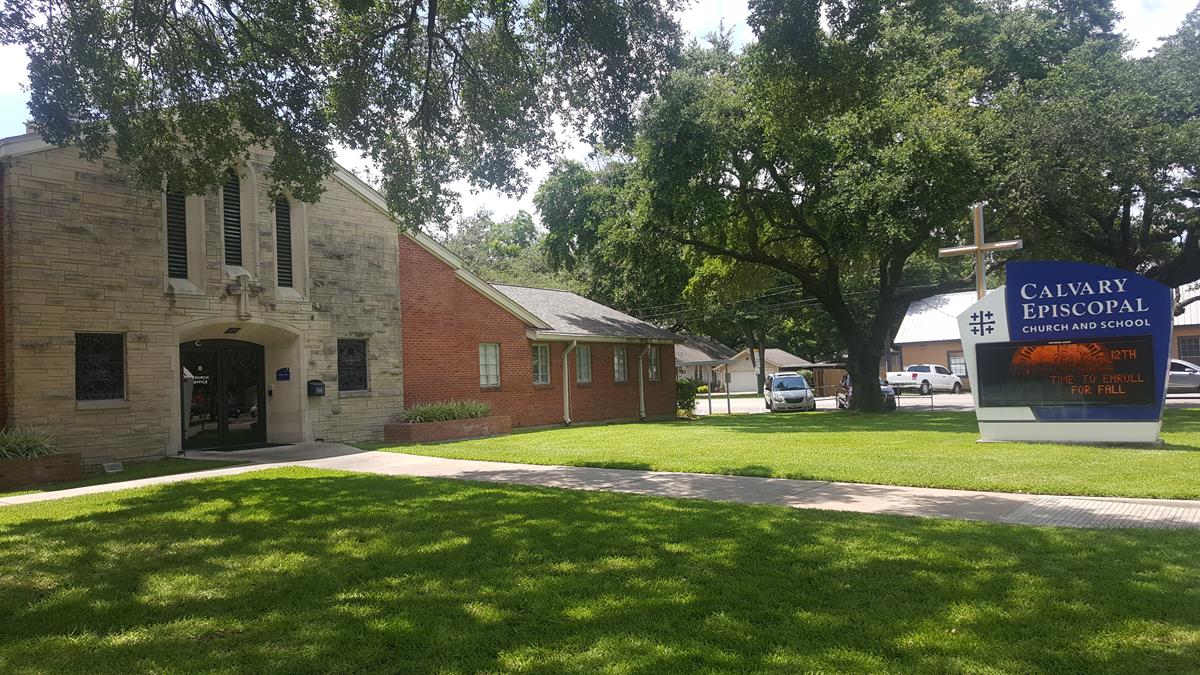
(788, 390)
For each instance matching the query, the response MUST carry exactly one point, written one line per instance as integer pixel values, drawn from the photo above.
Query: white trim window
(652, 366)
(620, 369)
(1189, 347)
(583, 364)
(489, 364)
(541, 364)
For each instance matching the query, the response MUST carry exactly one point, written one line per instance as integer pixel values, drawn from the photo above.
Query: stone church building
(137, 325)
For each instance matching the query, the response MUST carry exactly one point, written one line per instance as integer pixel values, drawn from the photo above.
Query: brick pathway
(1000, 507)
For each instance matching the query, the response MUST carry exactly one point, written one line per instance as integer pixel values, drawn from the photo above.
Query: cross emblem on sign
(982, 323)
(980, 250)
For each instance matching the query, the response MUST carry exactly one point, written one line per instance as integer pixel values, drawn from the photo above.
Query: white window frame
(620, 364)
(1193, 342)
(489, 364)
(583, 364)
(541, 364)
(950, 363)
(653, 371)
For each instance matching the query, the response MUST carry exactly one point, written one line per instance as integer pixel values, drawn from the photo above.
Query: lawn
(926, 449)
(299, 570)
(162, 467)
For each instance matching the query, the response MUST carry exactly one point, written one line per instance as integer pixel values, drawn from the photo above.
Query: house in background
(697, 357)
(743, 372)
(929, 332)
(540, 356)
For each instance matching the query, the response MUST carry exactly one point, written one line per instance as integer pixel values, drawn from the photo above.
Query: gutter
(566, 379)
(642, 385)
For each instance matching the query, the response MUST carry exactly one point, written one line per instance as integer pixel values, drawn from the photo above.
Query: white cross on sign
(980, 250)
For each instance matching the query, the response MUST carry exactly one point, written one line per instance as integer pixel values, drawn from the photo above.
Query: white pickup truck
(925, 378)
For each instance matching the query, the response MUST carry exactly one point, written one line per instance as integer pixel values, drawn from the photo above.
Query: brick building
(136, 324)
(539, 356)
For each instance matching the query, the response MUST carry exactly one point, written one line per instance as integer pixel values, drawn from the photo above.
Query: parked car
(1184, 378)
(925, 378)
(788, 391)
(845, 394)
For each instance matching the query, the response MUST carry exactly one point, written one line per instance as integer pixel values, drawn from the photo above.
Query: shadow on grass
(300, 570)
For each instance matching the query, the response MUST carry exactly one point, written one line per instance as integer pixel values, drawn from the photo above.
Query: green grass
(163, 467)
(926, 449)
(299, 570)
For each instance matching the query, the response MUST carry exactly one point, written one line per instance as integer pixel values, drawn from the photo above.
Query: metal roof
(934, 319)
(1191, 313)
(570, 315)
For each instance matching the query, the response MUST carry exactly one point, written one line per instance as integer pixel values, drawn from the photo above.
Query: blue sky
(1145, 21)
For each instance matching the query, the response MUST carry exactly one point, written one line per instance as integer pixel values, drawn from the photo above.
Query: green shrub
(25, 443)
(685, 394)
(702, 389)
(445, 411)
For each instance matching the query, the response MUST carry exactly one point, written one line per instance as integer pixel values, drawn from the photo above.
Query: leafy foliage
(1100, 159)
(432, 90)
(446, 411)
(844, 144)
(510, 251)
(26, 443)
(686, 391)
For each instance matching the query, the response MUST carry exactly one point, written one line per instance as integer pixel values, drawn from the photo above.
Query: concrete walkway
(999, 507)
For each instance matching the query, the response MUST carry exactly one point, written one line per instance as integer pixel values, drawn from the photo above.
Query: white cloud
(1147, 21)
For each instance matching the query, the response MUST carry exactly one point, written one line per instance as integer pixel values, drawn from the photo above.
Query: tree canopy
(1101, 159)
(432, 91)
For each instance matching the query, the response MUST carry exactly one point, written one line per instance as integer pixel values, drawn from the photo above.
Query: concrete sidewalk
(999, 507)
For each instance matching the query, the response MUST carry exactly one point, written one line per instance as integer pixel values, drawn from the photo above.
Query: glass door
(223, 396)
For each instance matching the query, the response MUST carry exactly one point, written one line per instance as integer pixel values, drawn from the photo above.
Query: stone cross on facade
(980, 249)
(242, 290)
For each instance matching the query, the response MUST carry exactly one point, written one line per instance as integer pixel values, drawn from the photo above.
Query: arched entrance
(223, 394)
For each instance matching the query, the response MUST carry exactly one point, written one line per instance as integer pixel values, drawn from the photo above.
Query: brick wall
(444, 320)
(84, 251)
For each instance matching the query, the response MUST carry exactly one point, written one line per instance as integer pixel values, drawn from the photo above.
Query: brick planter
(432, 432)
(16, 473)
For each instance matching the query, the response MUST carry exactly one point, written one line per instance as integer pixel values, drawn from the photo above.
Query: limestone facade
(83, 251)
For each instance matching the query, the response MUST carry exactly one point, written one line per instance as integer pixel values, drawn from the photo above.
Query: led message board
(1106, 371)
(1069, 352)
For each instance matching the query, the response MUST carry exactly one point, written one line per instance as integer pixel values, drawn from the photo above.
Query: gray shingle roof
(699, 350)
(569, 314)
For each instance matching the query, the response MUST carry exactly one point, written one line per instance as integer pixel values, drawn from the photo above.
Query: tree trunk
(863, 366)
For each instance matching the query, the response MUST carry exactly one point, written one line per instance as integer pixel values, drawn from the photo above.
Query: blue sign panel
(1087, 342)
(283, 375)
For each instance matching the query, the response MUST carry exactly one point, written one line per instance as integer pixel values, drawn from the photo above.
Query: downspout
(566, 372)
(642, 385)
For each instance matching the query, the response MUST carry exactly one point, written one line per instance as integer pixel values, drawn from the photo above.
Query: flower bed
(450, 430)
(23, 471)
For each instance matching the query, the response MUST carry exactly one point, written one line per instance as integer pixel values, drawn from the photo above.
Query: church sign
(1069, 352)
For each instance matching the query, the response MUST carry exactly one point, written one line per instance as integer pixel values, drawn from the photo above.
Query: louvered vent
(283, 241)
(232, 216)
(177, 253)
